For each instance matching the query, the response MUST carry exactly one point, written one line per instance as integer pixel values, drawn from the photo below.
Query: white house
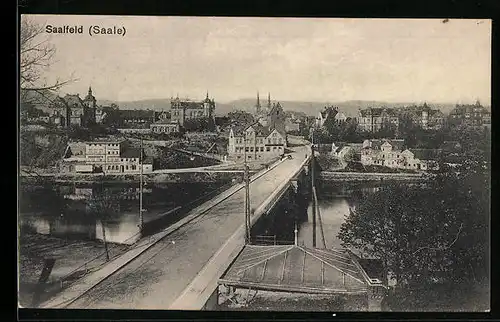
(255, 141)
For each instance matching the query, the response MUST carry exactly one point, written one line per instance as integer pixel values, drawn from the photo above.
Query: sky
(301, 59)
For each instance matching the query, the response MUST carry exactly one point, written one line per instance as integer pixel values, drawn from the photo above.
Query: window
(261, 149)
(279, 140)
(268, 149)
(246, 149)
(274, 148)
(251, 149)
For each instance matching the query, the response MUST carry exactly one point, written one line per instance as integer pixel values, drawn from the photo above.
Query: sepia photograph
(254, 163)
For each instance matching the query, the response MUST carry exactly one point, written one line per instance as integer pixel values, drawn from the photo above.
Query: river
(63, 210)
(335, 199)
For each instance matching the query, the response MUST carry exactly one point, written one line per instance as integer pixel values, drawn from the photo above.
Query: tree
(351, 156)
(436, 232)
(103, 205)
(36, 54)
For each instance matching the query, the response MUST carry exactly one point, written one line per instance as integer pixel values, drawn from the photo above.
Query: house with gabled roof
(394, 154)
(384, 152)
(420, 159)
(373, 119)
(72, 110)
(329, 112)
(255, 142)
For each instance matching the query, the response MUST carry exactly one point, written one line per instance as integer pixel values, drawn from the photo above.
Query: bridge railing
(270, 240)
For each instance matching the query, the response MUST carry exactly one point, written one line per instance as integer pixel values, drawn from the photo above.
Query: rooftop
(73, 100)
(425, 154)
(397, 144)
(136, 114)
(293, 268)
(378, 112)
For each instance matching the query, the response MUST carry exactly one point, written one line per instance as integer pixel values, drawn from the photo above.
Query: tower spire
(90, 90)
(207, 94)
(269, 100)
(258, 99)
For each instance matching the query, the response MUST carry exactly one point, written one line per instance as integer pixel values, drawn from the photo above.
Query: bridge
(179, 267)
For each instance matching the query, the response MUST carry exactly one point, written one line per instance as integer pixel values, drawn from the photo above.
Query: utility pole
(312, 194)
(141, 217)
(247, 203)
(247, 235)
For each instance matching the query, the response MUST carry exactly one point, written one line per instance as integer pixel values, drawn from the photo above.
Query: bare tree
(36, 55)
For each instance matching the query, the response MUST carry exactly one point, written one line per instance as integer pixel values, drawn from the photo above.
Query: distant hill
(350, 108)
(151, 104)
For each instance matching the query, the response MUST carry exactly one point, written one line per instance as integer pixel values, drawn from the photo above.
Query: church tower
(90, 107)
(268, 102)
(90, 100)
(257, 106)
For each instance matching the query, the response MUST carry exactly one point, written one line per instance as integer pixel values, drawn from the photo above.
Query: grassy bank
(70, 255)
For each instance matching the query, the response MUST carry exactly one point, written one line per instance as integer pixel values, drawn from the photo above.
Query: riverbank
(215, 173)
(282, 301)
(372, 176)
(175, 177)
(72, 259)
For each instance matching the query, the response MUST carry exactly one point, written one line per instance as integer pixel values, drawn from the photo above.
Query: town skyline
(330, 59)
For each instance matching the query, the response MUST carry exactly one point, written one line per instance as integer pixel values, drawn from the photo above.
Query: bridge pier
(278, 223)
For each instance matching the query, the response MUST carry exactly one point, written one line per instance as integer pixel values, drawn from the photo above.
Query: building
(182, 110)
(136, 118)
(424, 116)
(340, 118)
(134, 130)
(429, 118)
(165, 126)
(382, 152)
(292, 125)
(104, 156)
(470, 115)
(262, 111)
(162, 116)
(374, 119)
(256, 142)
(343, 152)
(72, 110)
(276, 118)
(393, 154)
(329, 112)
(420, 159)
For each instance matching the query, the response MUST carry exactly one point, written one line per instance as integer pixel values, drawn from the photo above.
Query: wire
(184, 227)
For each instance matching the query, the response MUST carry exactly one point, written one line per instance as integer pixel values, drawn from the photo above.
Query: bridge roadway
(160, 275)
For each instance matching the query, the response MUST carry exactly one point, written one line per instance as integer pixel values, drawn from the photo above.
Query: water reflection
(63, 210)
(335, 200)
